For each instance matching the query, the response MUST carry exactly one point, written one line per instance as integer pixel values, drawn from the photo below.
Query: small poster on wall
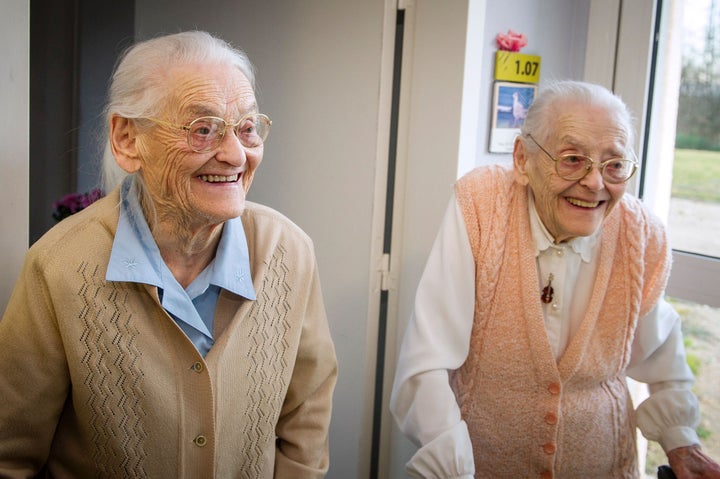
(510, 104)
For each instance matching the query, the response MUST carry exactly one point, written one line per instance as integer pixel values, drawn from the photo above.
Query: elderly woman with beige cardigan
(172, 329)
(542, 294)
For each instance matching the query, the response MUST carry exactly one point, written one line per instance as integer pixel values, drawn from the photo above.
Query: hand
(690, 463)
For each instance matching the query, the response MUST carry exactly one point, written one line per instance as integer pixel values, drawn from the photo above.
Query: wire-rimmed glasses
(205, 133)
(574, 167)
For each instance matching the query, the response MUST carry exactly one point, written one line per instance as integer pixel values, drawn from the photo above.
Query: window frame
(634, 40)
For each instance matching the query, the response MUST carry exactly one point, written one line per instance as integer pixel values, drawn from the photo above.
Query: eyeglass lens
(205, 133)
(577, 166)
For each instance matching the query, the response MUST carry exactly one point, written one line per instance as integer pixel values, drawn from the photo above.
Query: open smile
(219, 178)
(583, 204)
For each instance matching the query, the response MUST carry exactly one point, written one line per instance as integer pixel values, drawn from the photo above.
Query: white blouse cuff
(670, 417)
(432, 461)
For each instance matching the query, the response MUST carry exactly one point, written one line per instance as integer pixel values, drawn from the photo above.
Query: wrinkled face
(569, 209)
(201, 188)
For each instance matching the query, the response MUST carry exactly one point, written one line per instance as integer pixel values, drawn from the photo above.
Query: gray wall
(105, 30)
(14, 140)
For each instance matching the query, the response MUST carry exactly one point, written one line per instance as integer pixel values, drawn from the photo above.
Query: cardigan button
(549, 448)
(197, 367)
(554, 388)
(200, 441)
(551, 418)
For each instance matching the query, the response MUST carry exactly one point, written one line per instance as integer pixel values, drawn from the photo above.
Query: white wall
(14, 140)
(556, 30)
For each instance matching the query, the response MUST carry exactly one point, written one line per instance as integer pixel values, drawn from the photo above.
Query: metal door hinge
(385, 272)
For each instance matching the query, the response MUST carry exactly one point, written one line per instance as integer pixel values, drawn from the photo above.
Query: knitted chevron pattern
(113, 379)
(268, 327)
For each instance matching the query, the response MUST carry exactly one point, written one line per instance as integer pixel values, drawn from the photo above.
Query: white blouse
(437, 340)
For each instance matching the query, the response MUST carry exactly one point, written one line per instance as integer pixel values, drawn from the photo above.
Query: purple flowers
(74, 202)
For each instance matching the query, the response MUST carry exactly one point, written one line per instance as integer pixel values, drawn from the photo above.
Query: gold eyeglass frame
(221, 133)
(601, 165)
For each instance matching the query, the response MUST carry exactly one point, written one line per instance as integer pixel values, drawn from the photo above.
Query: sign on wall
(516, 78)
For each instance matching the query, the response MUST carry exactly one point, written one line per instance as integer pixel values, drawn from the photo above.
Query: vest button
(551, 418)
(200, 441)
(554, 388)
(549, 448)
(197, 367)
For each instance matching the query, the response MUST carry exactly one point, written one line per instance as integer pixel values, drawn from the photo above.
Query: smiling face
(569, 209)
(196, 189)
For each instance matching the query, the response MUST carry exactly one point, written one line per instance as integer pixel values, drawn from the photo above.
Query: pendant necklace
(547, 292)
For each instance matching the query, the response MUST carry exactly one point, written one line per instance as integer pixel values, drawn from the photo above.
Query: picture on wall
(510, 104)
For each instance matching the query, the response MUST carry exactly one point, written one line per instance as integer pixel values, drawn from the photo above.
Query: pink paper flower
(512, 41)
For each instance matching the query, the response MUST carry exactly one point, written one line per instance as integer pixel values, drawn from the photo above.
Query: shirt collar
(136, 258)
(582, 245)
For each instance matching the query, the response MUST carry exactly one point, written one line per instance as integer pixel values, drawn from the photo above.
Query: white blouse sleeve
(437, 340)
(671, 413)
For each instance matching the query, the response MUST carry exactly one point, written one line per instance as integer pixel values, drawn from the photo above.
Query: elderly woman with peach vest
(542, 295)
(172, 328)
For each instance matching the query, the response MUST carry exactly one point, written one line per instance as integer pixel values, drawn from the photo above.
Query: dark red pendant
(548, 291)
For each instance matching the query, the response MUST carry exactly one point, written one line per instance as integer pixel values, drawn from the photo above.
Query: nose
(231, 150)
(593, 180)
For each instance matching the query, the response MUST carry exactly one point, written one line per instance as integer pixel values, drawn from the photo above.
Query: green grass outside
(696, 175)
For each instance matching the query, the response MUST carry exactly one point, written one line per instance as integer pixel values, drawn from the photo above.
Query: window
(680, 42)
(681, 182)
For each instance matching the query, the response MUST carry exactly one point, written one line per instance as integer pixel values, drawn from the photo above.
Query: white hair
(138, 85)
(538, 121)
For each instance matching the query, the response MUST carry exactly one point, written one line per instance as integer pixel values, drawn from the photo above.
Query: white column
(14, 140)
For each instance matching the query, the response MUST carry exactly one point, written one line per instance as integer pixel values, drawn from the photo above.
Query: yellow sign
(517, 67)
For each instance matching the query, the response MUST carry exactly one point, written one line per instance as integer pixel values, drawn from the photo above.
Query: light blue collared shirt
(136, 258)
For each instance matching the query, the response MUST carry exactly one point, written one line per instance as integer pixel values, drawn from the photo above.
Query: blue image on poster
(512, 101)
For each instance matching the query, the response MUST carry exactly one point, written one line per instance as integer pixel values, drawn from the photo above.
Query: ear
(123, 144)
(520, 159)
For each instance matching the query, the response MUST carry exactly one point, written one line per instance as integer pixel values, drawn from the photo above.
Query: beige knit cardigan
(528, 414)
(99, 381)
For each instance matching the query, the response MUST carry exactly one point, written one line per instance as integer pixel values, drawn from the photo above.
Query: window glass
(694, 213)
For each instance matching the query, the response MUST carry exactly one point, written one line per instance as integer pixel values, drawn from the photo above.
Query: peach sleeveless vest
(529, 415)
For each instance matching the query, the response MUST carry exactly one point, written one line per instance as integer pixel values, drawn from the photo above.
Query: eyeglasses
(205, 133)
(575, 167)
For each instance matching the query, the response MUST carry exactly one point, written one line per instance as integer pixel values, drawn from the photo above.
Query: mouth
(219, 178)
(583, 204)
